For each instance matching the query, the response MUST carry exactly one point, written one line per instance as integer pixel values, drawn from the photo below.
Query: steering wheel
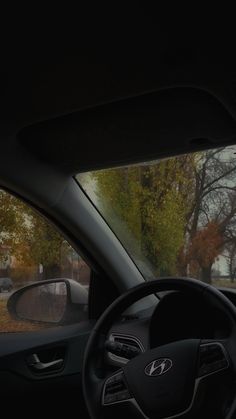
(164, 382)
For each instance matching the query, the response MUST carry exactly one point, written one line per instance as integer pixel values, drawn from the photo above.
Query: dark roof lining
(102, 56)
(167, 122)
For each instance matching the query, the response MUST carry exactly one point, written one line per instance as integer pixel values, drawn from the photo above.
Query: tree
(231, 259)
(150, 202)
(180, 211)
(45, 245)
(214, 203)
(12, 223)
(29, 237)
(205, 247)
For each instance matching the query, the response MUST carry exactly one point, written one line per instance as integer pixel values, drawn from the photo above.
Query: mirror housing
(54, 301)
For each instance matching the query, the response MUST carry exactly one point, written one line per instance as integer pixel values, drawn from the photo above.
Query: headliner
(76, 72)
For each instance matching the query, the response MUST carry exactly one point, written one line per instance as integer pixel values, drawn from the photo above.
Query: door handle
(35, 363)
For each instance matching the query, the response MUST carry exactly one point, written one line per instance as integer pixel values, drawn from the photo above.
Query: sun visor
(167, 122)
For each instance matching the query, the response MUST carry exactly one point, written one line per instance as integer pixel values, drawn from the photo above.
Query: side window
(33, 254)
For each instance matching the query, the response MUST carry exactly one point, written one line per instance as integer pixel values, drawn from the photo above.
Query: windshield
(174, 216)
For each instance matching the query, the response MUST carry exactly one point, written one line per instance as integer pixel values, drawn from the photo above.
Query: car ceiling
(75, 99)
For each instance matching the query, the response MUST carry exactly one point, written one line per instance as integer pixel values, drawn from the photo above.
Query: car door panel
(19, 378)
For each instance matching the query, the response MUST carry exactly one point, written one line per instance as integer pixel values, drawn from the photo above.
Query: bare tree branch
(223, 175)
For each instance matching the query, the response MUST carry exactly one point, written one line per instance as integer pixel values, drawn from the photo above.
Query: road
(5, 295)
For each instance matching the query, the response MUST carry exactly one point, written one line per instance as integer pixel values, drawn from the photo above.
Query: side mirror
(58, 301)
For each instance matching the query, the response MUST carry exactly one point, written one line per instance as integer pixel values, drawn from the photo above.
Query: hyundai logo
(158, 367)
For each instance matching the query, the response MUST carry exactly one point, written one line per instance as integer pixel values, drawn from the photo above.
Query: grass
(223, 283)
(8, 325)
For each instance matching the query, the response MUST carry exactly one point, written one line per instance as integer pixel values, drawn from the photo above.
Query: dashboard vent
(131, 341)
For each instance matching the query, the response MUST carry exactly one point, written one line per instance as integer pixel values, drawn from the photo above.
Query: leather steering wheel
(166, 381)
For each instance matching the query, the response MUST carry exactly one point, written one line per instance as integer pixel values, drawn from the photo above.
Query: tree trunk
(51, 271)
(183, 269)
(145, 183)
(231, 264)
(206, 274)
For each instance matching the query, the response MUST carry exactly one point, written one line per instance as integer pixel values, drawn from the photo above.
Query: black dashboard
(175, 316)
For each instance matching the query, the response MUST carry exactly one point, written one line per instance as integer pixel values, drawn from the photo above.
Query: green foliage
(150, 201)
(12, 223)
(164, 233)
(27, 235)
(44, 241)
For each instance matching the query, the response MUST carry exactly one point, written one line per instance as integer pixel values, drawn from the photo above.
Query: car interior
(124, 344)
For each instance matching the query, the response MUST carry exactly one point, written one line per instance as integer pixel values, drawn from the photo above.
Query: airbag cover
(162, 380)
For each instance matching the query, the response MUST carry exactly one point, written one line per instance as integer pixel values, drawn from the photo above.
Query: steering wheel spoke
(213, 358)
(115, 389)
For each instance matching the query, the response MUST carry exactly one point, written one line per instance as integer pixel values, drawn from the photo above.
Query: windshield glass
(174, 216)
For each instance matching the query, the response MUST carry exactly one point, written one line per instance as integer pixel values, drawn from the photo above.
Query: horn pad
(163, 374)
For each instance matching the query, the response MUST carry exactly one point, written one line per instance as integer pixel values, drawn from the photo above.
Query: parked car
(6, 284)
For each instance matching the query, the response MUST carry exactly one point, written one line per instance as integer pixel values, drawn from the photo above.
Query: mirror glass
(43, 303)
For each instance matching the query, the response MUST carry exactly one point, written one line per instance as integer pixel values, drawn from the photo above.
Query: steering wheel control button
(212, 359)
(122, 349)
(115, 389)
(123, 395)
(109, 399)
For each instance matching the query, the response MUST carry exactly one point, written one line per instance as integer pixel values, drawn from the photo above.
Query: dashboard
(175, 316)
